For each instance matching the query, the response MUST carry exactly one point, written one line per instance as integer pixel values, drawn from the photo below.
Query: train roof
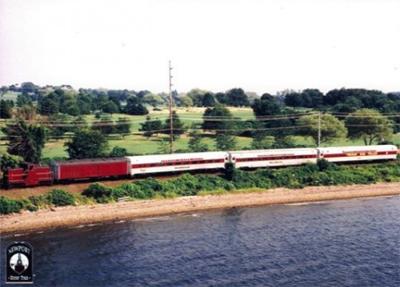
(287, 150)
(365, 147)
(91, 160)
(173, 156)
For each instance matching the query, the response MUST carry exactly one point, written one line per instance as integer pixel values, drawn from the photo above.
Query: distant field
(10, 96)
(137, 144)
(187, 115)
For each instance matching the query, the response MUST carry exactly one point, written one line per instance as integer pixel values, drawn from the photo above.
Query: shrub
(60, 197)
(97, 191)
(8, 205)
(39, 201)
(140, 191)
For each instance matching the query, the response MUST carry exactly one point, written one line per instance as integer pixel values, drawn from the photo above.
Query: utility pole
(319, 129)
(171, 124)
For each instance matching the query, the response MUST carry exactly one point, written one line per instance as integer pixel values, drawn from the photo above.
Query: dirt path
(87, 214)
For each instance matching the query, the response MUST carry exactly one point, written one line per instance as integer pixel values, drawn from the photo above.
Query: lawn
(187, 115)
(137, 144)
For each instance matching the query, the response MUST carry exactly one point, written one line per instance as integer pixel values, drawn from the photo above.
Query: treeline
(64, 99)
(322, 173)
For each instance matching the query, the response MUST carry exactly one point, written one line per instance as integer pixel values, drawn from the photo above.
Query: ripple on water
(339, 243)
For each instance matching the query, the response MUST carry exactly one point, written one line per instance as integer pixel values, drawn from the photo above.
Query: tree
(153, 100)
(118, 152)
(195, 142)
(209, 100)
(59, 125)
(110, 107)
(25, 140)
(87, 144)
(237, 98)
(48, 105)
(331, 127)
(5, 109)
(105, 125)
(368, 125)
(178, 126)
(26, 112)
(150, 127)
(138, 109)
(260, 141)
(163, 146)
(24, 100)
(133, 107)
(186, 101)
(217, 118)
(197, 96)
(225, 142)
(28, 87)
(266, 106)
(6, 162)
(123, 126)
(85, 103)
(273, 117)
(309, 98)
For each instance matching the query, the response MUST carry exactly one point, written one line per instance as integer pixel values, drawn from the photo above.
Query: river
(339, 243)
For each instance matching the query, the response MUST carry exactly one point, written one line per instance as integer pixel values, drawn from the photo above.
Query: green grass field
(137, 144)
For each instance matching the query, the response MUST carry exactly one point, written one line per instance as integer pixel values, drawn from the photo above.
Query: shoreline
(90, 214)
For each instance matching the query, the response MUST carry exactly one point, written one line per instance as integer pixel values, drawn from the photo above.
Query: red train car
(31, 176)
(90, 168)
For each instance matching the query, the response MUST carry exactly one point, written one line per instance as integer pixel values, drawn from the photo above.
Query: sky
(258, 45)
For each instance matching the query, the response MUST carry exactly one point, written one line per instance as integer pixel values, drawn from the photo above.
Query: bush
(39, 201)
(60, 197)
(97, 191)
(10, 205)
(118, 152)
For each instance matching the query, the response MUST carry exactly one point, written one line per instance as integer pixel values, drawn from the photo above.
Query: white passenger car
(273, 157)
(177, 162)
(358, 153)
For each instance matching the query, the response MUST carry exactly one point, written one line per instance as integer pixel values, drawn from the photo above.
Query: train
(130, 166)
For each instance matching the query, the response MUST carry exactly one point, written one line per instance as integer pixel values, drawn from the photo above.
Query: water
(342, 243)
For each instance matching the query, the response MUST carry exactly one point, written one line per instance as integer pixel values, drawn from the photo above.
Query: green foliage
(118, 152)
(225, 142)
(6, 109)
(163, 146)
(87, 144)
(151, 127)
(270, 107)
(10, 205)
(105, 125)
(368, 125)
(133, 107)
(229, 170)
(260, 141)
(217, 118)
(25, 140)
(110, 107)
(178, 126)
(60, 197)
(98, 191)
(7, 161)
(24, 100)
(195, 142)
(331, 127)
(40, 201)
(122, 126)
(308, 98)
